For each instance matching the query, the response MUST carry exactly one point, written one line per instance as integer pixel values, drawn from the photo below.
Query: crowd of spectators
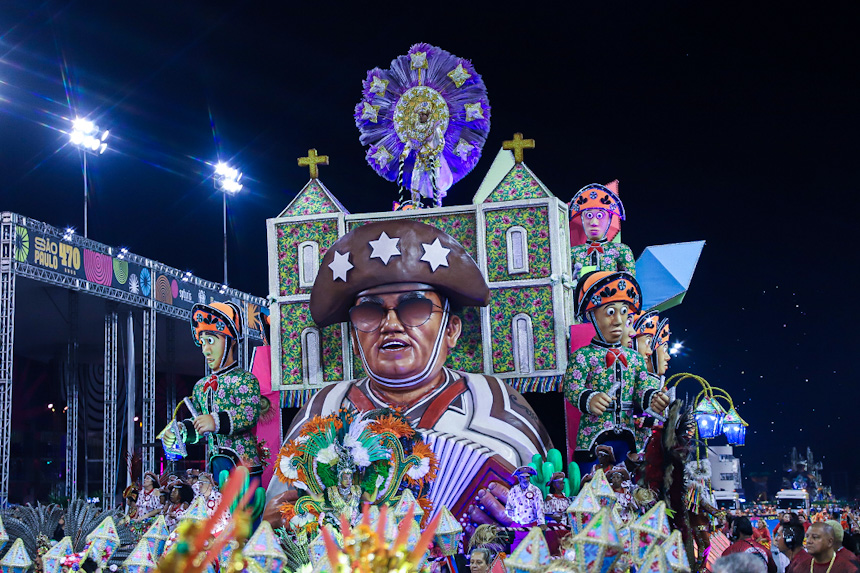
(825, 542)
(171, 495)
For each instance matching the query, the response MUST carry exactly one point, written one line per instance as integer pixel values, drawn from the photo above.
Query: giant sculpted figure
(227, 402)
(606, 381)
(398, 284)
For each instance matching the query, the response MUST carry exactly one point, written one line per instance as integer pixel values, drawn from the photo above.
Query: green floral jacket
(590, 371)
(233, 399)
(605, 255)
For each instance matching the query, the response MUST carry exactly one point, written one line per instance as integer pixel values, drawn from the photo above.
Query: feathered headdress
(379, 447)
(451, 95)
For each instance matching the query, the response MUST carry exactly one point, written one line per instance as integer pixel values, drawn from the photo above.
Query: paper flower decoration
(598, 546)
(140, 560)
(264, 548)
(654, 561)
(156, 536)
(531, 555)
(676, 554)
(448, 533)
(602, 491)
(650, 529)
(582, 508)
(52, 558)
(16, 559)
(407, 500)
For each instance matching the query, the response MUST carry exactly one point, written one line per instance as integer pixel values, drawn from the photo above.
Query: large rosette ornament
(425, 121)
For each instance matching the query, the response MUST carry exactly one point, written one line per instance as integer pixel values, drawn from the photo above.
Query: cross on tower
(517, 144)
(313, 161)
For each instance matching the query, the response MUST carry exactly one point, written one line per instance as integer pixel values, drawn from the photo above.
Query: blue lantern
(709, 418)
(735, 428)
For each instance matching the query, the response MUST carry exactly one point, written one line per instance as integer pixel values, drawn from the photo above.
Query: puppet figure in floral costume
(607, 382)
(227, 402)
(595, 212)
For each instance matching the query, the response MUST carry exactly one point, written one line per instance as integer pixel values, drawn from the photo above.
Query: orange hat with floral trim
(222, 318)
(596, 196)
(645, 323)
(598, 288)
(662, 334)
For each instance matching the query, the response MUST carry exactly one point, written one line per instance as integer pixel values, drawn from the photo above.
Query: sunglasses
(411, 312)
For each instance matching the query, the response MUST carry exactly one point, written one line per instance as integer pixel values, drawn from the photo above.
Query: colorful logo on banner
(47, 252)
(43, 251)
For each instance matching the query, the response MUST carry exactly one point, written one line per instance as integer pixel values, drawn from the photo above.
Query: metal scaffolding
(7, 343)
(110, 438)
(148, 437)
(20, 238)
(72, 400)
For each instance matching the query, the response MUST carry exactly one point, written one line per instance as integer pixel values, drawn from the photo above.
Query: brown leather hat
(394, 251)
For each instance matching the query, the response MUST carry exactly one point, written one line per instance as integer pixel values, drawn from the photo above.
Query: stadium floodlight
(227, 181)
(86, 136)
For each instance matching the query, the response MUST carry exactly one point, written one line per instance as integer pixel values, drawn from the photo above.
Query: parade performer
(424, 120)
(181, 496)
(604, 380)
(556, 503)
(130, 495)
(524, 505)
(227, 402)
(619, 479)
(593, 208)
(345, 499)
(149, 500)
(397, 283)
(525, 500)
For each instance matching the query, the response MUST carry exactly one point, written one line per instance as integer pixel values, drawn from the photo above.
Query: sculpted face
(595, 223)
(663, 358)
(627, 336)
(643, 347)
(213, 346)
(396, 350)
(611, 319)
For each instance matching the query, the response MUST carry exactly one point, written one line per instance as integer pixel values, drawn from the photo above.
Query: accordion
(465, 467)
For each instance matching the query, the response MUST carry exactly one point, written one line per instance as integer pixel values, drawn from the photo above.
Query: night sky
(726, 122)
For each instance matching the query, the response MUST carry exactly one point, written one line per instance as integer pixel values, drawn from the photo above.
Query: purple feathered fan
(424, 120)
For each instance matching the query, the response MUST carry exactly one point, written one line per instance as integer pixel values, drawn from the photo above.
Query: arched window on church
(517, 239)
(312, 370)
(524, 343)
(309, 263)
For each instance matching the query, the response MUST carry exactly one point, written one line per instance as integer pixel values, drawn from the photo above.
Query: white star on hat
(339, 266)
(435, 254)
(384, 247)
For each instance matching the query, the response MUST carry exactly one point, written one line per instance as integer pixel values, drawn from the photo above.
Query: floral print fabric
(533, 301)
(534, 220)
(615, 257)
(237, 394)
(587, 372)
(517, 184)
(525, 506)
